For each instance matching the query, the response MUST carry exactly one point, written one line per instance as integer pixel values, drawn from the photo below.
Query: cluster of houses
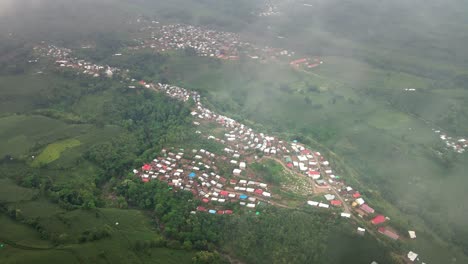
(205, 42)
(306, 62)
(198, 170)
(64, 59)
(217, 44)
(458, 145)
(269, 9)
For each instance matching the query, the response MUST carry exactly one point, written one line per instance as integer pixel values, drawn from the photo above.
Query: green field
(52, 151)
(10, 192)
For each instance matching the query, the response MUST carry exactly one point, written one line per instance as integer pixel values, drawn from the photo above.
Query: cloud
(11, 7)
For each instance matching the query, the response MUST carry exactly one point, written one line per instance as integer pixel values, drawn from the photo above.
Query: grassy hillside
(367, 132)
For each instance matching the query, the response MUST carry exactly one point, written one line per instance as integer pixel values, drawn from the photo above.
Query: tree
(206, 257)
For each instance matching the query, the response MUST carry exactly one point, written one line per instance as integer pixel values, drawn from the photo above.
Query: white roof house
(313, 203)
(329, 197)
(412, 234)
(323, 205)
(412, 256)
(242, 165)
(360, 201)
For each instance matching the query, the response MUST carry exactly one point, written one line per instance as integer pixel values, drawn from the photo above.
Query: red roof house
(223, 193)
(367, 209)
(290, 165)
(205, 200)
(378, 220)
(388, 233)
(356, 195)
(145, 179)
(201, 209)
(298, 61)
(336, 202)
(228, 212)
(312, 173)
(233, 182)
(259, 191)
(146, 167)
(221, 212)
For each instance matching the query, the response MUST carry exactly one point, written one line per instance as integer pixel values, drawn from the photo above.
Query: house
(388, 233)
(356, 195)
(242, 165)
(346, 215)
(412, 256)
(367, 209)
(315, 175)
(312, 203)
(322, 205)
(243, 196)
(259, 191)
(378, 220)
(329, 197)
(360, 201)
(336, 202)
(412, 234)
(266, 194)
(192, 175)
(146, 167)
(251, 205)
(361, 231)
(201, 209)
(236, 172)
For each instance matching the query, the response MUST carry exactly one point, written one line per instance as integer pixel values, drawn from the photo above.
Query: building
(412, 256)
(367, 209)
(346, 215)
(236, 172)
(388, 233)
(361, 231)
(412, 234)
(378, 220)
(336, 202)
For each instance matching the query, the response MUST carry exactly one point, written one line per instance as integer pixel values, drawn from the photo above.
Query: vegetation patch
(53, 151)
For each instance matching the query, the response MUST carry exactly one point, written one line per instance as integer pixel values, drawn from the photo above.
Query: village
(457, 144)
(224, 183)
(215, 44)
